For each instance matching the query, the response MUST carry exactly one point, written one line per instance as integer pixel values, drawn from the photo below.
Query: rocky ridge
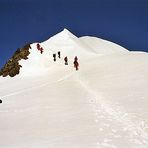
(12, 66)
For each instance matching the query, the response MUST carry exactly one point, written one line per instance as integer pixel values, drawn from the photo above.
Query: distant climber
(39, 48)
(0, 101)
(54, 57)
(76, 64)
(59, 54)
(66, 60)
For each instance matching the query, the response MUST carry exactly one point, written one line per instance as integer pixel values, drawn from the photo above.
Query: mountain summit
(65, 34)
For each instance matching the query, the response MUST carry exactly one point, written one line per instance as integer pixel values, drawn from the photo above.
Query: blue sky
(124, 22)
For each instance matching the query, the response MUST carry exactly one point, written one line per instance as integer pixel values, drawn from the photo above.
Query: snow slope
(103, 105)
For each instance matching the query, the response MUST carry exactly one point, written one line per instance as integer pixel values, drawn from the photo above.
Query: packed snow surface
(51, 105)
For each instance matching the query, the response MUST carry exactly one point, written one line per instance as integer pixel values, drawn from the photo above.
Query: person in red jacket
(38, 46)
(76, 64)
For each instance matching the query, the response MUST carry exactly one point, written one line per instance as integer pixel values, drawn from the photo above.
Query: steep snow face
(69, 45)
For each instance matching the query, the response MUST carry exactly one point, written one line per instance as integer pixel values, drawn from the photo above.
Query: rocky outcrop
(12, 67)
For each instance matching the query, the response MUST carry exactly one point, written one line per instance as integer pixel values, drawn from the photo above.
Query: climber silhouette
(54, 57)
(59, 54)
(66, 60)
(76, 64)
(41, 49)
(38, 46)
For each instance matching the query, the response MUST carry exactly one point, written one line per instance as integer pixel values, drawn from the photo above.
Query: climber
(54, 57)
(76, 64)
(66, 60)
(41, 49)
(59, 54)
(38, 46)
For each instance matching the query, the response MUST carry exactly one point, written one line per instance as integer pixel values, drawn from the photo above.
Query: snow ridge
(69, 45)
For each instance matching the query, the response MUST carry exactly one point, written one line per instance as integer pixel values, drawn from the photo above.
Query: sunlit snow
(51, 105)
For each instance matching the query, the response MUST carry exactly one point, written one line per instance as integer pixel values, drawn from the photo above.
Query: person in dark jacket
(59, 54)
(54, 57)
(66, 60)
(41, 50)
(0, 101)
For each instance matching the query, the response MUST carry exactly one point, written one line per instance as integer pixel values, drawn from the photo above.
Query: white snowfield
(51, 105)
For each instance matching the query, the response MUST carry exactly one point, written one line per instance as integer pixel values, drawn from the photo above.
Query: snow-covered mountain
(69, 45)
(51, 105)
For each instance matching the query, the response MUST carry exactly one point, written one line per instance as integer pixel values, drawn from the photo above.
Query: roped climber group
(76, 63)
(39, 48)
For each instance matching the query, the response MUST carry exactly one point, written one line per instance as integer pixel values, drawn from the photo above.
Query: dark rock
(12, 67)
